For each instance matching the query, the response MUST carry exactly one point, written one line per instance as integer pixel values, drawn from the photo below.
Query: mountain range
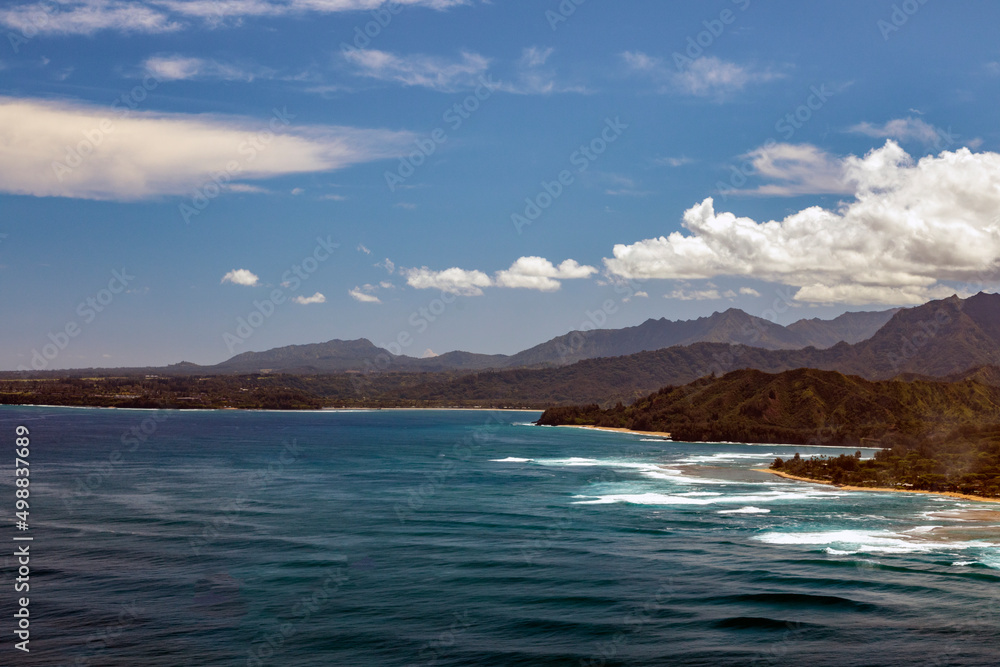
(732, 326)
(948, 339)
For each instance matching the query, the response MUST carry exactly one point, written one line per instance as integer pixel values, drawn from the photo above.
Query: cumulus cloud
(241, 277)
(431, 72)
(453, 280)
(60, 149)
(308, 300)
(911, 226)
(749, 291)
(86, 17)
(535, 273)
(707, 76)
(539, 273)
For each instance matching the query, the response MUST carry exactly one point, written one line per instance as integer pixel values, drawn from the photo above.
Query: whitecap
(866, 541)
(750, 509)
(687, 499)
(512, 459)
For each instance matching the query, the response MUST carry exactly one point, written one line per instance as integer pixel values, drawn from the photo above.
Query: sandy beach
(658, 434)
(950, 494)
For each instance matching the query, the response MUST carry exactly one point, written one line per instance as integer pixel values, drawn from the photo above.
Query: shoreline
(315, 410)
(846, 487)
(611, 429)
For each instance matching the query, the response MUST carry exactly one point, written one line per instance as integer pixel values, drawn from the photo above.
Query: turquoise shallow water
(472, 538)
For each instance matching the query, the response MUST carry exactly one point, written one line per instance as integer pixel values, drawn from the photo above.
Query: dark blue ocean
(471, 538)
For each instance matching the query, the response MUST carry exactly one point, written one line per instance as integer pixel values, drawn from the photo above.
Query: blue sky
(790, 159)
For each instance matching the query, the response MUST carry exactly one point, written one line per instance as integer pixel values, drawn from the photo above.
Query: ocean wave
(866, 541)
(652, 498)
(750, 509)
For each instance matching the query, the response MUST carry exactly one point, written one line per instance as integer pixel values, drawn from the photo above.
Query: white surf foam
(746, 510)
(649, 470)
(866, 541)
(724, 457)
(512, 459)
(688, 499)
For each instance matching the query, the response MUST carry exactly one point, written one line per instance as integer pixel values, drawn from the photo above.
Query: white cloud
(217, 9)
(540, 274)
(308, 300)
(693, 295)
(247, 188)
(363, 248)
(903, 129)
(671, 161)
(453, 281)
(798, 169)
(535, 273)
(148, 154)
(533, 78)
(911, 225)
(86, 17)
(705, 77)
(420, 70)
(534, 56)
(364, 294)
(749, 291)
(241, 277)
(180, 68)
(388, 265)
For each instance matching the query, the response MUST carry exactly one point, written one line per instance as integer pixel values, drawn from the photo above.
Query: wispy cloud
(179, 68)
(365, 294)
(671, 161)
(87, 17)
(532, 77)
(432, 72)
(693, 295)
(906, 130)
(797, 169)
(707, 76)
(150, 154)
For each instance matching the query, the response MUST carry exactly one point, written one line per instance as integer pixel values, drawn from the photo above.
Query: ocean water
(472, 538)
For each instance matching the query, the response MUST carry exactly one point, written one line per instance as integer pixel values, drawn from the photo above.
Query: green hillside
(803, 406)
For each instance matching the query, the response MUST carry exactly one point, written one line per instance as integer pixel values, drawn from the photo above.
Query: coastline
(949, 494)
(314, 410)
(611, 429)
